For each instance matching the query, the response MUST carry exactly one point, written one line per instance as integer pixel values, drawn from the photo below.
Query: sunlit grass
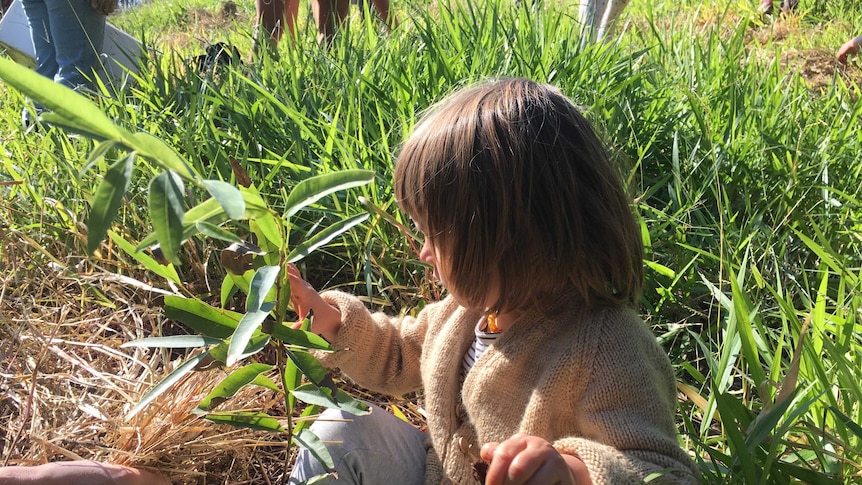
(740, 140)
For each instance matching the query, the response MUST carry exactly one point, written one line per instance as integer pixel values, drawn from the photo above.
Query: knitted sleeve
(378, 352)
(626, 411)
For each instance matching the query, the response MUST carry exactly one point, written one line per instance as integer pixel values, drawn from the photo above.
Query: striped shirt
(480, 344)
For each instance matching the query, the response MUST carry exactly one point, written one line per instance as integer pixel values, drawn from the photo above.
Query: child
(536, 361)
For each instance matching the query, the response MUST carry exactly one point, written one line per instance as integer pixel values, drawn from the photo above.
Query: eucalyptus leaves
(227, 339)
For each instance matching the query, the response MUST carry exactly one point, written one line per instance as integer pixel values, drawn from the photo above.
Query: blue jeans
(376, 449)
(67, 37)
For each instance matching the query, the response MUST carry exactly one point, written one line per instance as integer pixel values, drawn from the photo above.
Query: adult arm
(851, 47)
(79, 473)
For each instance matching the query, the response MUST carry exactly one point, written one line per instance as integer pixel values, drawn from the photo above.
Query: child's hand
(530, 460)
(327, 318)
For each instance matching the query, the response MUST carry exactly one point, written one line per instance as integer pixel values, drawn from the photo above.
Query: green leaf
(266, 382)
(155, 149)
(215, 232)
(167, 272)
(147, 242)
(312, 443)
(243, 281)
(323, 237)
(315, 188)
(733, 414)
(742, 308)
(299, 338)
(231, 384)
(660, 269)
(228, 289)
(369, 206)
(765, 423)
(79, 112)
(97, 154)
(211, 212)
(248, 325)
(207, 211)
(849, 423)
(228, 196)
(305, 420)
(203, 318)
(261, 283)
(174, 342)
(806, 475)
(166, 383)
(255, 206)
(311, 394)
(269, 236)
(107, 200)
(165, 202)
(249, 420)
(256, 343)
(314, 371)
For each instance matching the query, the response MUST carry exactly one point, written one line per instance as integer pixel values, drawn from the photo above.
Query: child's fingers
(299, 292)
(501, 459)
(525, 460)
(487, 451)
(299, 308)
(293, 271)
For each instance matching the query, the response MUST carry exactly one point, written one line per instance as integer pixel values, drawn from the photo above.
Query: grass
(740, 140)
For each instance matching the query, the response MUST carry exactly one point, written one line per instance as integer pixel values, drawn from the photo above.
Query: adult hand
(104, 7)
(79, 473)
(530, 460)
(327, 318)
(851, 47)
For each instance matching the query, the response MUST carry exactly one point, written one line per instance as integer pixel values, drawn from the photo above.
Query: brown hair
(514, 187)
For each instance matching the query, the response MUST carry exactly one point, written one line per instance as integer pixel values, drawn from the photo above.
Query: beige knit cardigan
(595, 384)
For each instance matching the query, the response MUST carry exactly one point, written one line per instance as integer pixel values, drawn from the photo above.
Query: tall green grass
(746, 182)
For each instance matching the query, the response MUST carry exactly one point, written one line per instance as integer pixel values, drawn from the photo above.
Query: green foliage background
(746, 181)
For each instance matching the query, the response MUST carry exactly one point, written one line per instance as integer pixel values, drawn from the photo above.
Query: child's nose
(426, 254)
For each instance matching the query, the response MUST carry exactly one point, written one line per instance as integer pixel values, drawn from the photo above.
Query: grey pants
(376, 449)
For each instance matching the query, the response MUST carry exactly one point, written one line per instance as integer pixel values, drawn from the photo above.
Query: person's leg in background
(77, 32)
(598, 18)
(787, 6)
(273, 17)
(329, 15)
(40, 30)
(64, 34)
(382, 7)
(376, 448)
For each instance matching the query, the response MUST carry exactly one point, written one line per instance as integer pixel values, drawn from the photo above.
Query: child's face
(430, 254)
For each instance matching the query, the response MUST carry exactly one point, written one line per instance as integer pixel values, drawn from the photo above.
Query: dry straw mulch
(66, 385)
